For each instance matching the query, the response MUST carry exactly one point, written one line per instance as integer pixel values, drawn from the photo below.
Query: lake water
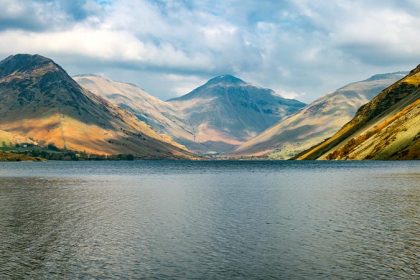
(210, 220)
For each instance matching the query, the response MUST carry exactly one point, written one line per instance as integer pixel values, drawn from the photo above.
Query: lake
(210, 220)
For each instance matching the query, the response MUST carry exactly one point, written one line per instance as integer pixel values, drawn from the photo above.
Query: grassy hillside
(42, 102)
(160, 115)
(388, 127)
(317, 121)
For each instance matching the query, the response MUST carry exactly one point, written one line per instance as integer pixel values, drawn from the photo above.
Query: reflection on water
(168, 220)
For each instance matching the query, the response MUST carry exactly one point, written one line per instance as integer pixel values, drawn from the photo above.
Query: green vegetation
(22, 152)
(10, 156)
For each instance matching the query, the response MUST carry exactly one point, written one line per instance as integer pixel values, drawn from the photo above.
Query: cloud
(41, 15)
(295, 47)
(373, 32)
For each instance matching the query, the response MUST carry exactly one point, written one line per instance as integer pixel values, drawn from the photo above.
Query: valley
(92, 116)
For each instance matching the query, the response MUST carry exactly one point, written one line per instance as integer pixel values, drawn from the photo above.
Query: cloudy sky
(300, 48)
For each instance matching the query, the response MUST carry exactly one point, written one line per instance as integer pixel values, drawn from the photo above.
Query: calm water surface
(210, 220)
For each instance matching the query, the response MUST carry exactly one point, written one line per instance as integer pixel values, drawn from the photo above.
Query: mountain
(158, 114)
(226, 111)
(181, 121)
(317, 121)
(388, 127)
(42, 102)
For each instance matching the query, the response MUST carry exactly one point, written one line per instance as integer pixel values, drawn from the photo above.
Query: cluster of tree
(52, 152)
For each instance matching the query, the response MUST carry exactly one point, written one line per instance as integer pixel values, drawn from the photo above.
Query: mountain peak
(415, 70)
(22, 62)
(387, 76)
(226, 79)
(88, 75)
(26, 58)
(214, 86)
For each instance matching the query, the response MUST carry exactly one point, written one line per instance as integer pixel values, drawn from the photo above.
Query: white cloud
(292, 46)
(374, 32)
(101, 44)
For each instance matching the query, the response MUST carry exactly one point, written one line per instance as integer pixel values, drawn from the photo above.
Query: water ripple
(217, 220)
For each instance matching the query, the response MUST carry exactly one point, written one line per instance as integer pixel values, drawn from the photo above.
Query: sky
(302, 49)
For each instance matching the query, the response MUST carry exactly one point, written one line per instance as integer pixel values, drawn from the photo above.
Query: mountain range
(317, 121)
(377, 118)
(214, 118)
(40, 101)
(226, 111)
(387, 127)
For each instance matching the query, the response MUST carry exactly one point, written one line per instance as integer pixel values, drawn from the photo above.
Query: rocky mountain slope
(317, 121)
(42, 102)
(158, 114)
(388, 127)
(226, 111)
